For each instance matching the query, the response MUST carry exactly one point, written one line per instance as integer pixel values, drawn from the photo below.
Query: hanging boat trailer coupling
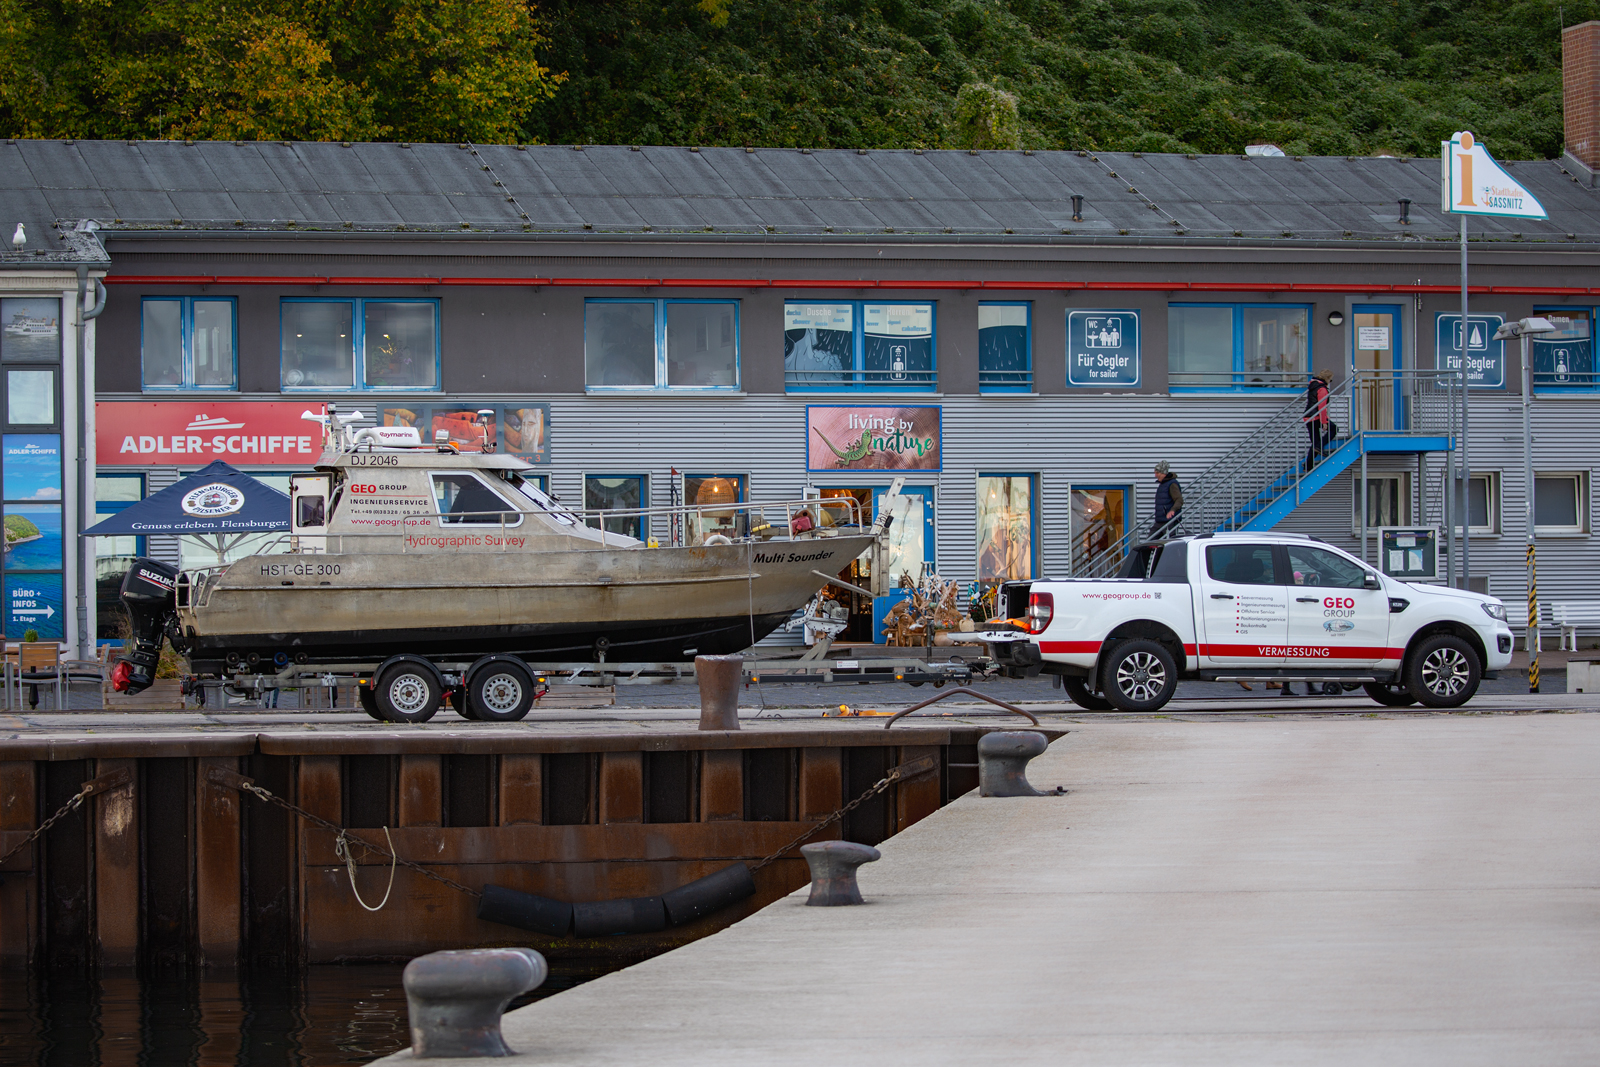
(425, 573)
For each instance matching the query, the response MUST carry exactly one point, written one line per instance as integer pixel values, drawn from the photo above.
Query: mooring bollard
(1003, 763)
(719, 678)
(456, 998)
(833, 871)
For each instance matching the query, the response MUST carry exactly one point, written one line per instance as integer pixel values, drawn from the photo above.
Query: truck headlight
(1495, 610)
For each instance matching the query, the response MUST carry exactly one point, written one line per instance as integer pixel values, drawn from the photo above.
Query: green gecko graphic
(856, 452)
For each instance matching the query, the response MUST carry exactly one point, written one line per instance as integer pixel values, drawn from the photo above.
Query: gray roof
(493, 189)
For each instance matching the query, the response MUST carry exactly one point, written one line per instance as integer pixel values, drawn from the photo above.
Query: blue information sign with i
(1486, 357)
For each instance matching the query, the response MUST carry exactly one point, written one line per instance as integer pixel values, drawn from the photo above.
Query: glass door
(910, 548)
(1377, 357)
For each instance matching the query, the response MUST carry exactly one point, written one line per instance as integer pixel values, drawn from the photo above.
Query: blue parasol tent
(217, 503)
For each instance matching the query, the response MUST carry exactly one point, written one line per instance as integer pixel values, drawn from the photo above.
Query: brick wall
(1580, 91)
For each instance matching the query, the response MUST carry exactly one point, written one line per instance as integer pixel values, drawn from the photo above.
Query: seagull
(18, 239)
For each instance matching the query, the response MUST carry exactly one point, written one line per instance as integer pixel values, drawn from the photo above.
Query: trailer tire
(456, 695)
(500, 691)
(408, 691)
(369, 702)
(1139, 675)
(1078, 692)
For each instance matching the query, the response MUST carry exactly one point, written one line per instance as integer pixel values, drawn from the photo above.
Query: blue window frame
(1237, 347)
(858, 345)
(384, 345)
(1008, 527)
(682, 345)
(618, 492)
(189, 342)
(1563, 362)
(1005, 346)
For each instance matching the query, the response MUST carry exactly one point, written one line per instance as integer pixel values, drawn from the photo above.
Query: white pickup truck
(1247, 607)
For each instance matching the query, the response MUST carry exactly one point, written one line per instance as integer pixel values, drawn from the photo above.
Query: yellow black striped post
(1533, 621)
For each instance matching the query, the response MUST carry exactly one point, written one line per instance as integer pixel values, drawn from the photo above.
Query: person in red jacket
(1319, 427)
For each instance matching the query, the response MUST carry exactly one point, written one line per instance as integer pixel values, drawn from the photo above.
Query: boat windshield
(540, 500)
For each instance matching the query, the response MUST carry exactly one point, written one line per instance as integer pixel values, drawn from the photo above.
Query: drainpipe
(84, 508)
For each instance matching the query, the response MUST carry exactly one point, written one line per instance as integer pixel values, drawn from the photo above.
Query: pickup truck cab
(1246, 607)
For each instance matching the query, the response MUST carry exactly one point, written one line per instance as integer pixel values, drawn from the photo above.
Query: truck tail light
(1041, 608)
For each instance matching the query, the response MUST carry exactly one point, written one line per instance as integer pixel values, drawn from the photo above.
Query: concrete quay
(1398, 890)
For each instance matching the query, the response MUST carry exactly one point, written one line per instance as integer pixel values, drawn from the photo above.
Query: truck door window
(1319, 567)
(1172, 565)
(462, 497)
(1241, 564)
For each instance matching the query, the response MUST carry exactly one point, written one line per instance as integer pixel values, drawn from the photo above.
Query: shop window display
(625, 492)
(707, 491)
(1099, 520)
(1007, 519)
(661, 344)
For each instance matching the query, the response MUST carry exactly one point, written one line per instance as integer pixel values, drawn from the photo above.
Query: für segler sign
(1472, 183)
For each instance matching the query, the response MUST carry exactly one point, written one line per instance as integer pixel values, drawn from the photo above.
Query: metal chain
(271, 798)
(51, 821)
(883, 783)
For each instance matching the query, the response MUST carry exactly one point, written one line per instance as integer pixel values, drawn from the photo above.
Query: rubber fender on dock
(509, 907)
(706, 895)
(630, 915)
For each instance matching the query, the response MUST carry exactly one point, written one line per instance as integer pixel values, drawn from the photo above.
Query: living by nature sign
(1103, 347)
(854, 437)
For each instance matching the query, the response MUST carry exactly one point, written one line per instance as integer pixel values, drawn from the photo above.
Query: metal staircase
(1264, 477)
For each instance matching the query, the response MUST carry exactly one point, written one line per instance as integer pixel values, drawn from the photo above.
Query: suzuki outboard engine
(148, 592)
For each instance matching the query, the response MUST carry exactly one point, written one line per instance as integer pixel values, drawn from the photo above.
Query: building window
(114, 555)
(1560, 503)
(1237, 346)
(1388, 500)
(1564, 360)
(661, 344)
(30, 397)
(1005, 347)
(392, 345)
(1101, 515)
(617, 492)
(857, 345)
(188, 342)
(1483, 503)
(1008, 520)
(711, 495)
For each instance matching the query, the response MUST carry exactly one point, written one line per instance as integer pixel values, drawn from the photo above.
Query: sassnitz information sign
(1474, 184)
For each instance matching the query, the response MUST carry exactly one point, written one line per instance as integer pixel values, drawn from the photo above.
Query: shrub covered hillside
(1314, 76)
(1335, 77)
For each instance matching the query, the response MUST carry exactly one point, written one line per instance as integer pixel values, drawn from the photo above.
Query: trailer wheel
(407, 693)
(1140, 675)
(369, 702)
(1078, 692)
(1443, 672)
(501, 691)
(457, 698)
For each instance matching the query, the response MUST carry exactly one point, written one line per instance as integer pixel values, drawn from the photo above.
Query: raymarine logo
(212, 500)
(1338, 626)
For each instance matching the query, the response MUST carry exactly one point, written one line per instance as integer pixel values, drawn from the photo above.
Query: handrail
(961, 691)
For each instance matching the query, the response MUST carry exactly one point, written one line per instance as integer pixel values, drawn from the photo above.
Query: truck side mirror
(1370, 581)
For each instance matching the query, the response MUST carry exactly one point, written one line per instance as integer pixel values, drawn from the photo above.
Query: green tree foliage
(986, 117)
(1337, 77)
(422, 70)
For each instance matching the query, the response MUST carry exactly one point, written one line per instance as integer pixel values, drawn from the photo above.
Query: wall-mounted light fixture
(1335, 318)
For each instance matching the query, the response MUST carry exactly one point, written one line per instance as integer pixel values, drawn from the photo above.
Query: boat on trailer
(435, 573)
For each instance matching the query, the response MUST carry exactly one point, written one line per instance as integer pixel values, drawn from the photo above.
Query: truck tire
(501, 691)
(1390, 696)
(1078, 691)
(407, 692)
(1443, 672)
(1139, 675)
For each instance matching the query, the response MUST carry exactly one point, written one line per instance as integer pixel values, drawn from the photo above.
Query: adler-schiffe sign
(1472, 183)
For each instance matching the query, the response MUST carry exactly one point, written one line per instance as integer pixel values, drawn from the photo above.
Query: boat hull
(657, 605)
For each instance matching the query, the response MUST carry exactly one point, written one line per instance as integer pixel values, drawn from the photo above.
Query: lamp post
(1526, 329)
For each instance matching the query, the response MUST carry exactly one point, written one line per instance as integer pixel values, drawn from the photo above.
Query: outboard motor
(149, 594)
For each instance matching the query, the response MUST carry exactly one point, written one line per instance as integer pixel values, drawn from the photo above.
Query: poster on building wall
(1486, 357)
(35, 602)
(1103, 347)
(850, 437)
(272, 433)
(31, 466)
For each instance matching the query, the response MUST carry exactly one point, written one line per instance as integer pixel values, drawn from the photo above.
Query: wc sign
(1486, 357)
(1103, 347)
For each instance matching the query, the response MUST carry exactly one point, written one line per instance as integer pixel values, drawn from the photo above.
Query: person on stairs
(1319, 427)
(1169, 502)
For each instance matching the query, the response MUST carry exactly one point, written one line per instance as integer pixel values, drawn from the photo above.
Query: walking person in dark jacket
(1169, 502)
(1319, 428)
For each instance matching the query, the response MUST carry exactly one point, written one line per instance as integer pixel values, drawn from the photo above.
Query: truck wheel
(501, 691)
(1443, 672)
(369, 701)
(1078, 691)
(1390, 696)
(407, 693)
(1139, 675)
